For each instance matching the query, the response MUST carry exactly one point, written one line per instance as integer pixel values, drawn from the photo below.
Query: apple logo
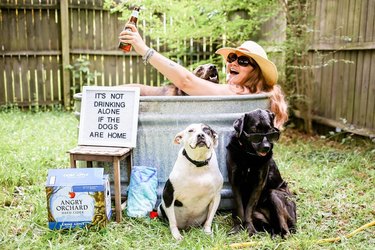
(72, 195)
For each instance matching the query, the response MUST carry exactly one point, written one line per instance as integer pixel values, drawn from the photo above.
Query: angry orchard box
(78, 197)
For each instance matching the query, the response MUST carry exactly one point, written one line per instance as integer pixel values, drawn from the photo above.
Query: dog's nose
(266, 145)
(266, 148)
(212, 67)
(200, 136)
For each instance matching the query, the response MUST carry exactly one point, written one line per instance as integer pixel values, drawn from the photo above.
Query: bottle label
(135, 13)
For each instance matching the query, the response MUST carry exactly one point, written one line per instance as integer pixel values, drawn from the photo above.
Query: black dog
(262, 198)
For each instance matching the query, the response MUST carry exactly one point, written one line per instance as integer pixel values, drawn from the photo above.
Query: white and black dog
(191, 194)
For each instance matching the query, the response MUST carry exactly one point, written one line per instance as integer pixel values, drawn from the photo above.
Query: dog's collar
(196, 163)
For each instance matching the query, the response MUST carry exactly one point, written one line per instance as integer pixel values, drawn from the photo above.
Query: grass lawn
(334, 181)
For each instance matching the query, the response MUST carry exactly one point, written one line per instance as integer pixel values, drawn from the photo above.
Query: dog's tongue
(262, 154)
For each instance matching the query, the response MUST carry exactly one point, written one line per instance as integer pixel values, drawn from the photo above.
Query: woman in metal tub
(248, 71)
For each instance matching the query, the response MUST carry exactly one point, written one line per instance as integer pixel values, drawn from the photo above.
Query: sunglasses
(243, 61)
(258, 137)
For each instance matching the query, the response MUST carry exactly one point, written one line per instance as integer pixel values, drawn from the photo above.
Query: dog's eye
(207, 131)
(191, 130)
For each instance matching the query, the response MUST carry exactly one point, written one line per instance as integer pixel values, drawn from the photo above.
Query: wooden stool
(106, 154)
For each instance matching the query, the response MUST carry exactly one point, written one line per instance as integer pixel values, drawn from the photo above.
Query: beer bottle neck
(134, 15)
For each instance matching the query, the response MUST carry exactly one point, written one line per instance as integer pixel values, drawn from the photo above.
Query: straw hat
(255, 51)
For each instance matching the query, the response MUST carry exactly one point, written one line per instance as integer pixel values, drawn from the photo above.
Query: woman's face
(237, 74)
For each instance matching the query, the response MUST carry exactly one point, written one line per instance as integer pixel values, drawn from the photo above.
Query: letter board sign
(109, 116)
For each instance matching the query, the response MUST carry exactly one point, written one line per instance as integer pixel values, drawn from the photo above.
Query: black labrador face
(256, 131)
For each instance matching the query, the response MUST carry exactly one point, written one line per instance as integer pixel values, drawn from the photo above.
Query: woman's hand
(134, 38)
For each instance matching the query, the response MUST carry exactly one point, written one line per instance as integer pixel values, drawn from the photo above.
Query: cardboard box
(78, 197)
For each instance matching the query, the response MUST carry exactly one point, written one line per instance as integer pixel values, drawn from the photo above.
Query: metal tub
(161, 118)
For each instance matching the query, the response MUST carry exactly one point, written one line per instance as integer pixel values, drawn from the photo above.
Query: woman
(247, 67)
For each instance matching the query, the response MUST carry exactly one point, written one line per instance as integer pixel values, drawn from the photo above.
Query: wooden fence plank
(370, 22)
(317, 88)
(363, 21)
(3, 82)
(370, 119)
(96, 30)
(95, 69)
(358, 87)
(32, 80)
(345, 12)
(356, 21)
(74, 27)
(316, 5)
(41, 79)
(30, 20)
(9, 81)
(49, 87)
(55, 29)
(57, 88)
(351, 91)
(22, 38)
(46, 38)
(328, 28)
(326, 86)
(336, 98)
(16, 93)
(24, 78)
(65, 52)
(9, 30)
(364, 89)
(345, 81)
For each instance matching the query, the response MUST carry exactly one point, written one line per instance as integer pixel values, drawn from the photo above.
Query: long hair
(278, 105)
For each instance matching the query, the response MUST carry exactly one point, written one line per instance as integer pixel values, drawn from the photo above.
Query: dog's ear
(238, 125)
(272, 117)
(178, 138)
(198, 71)
(215, 138)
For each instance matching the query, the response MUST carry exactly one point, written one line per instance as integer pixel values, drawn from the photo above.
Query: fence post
(65, 53)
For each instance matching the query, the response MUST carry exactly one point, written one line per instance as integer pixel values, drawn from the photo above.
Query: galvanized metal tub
(161, 118)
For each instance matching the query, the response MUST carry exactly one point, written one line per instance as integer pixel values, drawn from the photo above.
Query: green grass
(334, 183)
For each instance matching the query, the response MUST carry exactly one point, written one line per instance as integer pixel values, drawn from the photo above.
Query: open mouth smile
(233, 71)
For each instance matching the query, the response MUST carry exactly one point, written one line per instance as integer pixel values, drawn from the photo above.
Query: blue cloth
(142, 191)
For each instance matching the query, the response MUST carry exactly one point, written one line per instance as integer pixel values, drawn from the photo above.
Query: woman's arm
(175, 73)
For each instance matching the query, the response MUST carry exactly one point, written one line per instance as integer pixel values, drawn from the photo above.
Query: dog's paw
(207, 230)
(176, 234)
(235, 229)
(250, 229)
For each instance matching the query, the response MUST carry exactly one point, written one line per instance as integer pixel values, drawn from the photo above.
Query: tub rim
(197, 98)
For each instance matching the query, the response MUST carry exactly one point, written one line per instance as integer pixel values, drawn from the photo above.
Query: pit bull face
(256, 131)
(207, 72)
(197, 136)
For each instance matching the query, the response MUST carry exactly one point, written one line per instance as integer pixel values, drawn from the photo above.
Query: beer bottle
(126, 47)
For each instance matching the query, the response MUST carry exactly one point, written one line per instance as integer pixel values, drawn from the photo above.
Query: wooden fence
(39, 38)
(344, 45)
